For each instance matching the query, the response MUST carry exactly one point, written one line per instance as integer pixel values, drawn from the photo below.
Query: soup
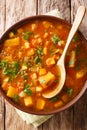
(28, 67)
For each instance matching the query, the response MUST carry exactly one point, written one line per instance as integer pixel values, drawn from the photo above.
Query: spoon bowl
(60, 63)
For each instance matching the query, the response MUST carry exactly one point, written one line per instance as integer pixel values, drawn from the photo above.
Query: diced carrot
(34, 76)
(45, 50)
(65, 98)
(30, 52)
(80, 73)
(46, 35)
(58, 104)
(40, 104)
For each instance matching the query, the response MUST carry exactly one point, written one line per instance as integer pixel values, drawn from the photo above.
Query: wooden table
(12, 11)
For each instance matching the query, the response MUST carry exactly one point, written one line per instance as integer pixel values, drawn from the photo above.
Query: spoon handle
(78, 19)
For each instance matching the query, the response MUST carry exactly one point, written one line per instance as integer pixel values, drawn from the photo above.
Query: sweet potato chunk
(40, 104)
(12, 42)
(46, 80)
(11, 92)
(42, 71)
(28, 101)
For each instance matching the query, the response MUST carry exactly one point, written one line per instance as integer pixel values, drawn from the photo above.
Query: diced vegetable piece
(40, 104)
(34, 76)
(26, 44)
(80, 73)
(11, 92)
(72, 59)
(20, 30)
(12, 42)
(39, 89)
(39, 40)
(28, 101)
(47, 79)
(11, 35)
(33, 27)
(36, 36)
(65, 98)
(24, 67)
(45, 50)
(50, 61)
(47, 24)
(31, 52)
(58, 104)
(61, 42)
(22, 94)
(59, 26)
(19, 54)
(42, 71)
(45, 35)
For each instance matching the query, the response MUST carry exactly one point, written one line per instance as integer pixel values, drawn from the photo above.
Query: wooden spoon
(60, 63)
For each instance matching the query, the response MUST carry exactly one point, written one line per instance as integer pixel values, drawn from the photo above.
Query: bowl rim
(69, 104)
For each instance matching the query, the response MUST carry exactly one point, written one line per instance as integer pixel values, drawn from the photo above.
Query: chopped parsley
(38, 60)
(70, 91)
(16, 98)
(55, 39)
(26, 35)
(54, 99)
(75, 38)
(27, 90)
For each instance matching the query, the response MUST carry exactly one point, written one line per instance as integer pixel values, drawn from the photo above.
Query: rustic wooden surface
(12, 11)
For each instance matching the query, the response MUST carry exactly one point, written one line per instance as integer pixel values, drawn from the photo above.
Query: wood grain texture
(19, 9)
(62, 5)
(60, 121)
(74, 5)
(2, 23)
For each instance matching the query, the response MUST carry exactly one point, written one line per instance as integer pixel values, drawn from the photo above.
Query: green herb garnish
(54, 99)
(75, 38)
(15, 32)
(40, 51)
(55, 39)
(3, 63)
(27, 90)
(70, 91)
(16, 98)
(26, 35)
(38, 60)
